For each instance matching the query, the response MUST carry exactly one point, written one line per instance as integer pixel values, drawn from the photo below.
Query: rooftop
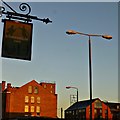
(81, 104)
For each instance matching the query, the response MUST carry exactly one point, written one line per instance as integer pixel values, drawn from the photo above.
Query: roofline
(84, 101)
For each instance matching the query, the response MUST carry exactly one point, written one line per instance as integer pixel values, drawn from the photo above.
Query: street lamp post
(68, 87)
(71, 32)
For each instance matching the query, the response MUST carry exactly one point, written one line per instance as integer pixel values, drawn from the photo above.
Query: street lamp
(72, 32)
(68, 87)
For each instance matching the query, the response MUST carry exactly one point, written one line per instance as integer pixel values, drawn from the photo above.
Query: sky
(63, 59)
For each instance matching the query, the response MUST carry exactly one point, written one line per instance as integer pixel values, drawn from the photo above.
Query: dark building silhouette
(100, 110)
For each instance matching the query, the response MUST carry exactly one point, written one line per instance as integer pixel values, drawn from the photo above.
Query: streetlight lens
(68, 87)
(107, 37)
(71, 32)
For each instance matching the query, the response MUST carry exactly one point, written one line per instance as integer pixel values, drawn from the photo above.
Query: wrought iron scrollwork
(24, 17)
(2, 10)
(25, 7)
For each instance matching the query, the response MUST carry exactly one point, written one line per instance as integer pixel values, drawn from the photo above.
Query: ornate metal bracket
(24, 17)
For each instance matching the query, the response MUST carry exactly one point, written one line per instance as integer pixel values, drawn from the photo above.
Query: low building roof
(81, 104)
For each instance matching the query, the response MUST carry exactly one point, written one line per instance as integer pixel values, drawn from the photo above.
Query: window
(98, 113)
(76, 112)
(82, 114)
(67, 112)
(79, 110)
(73, 112)
(51, 86)
(38, 109)
(45, 86)
(26, 99)
(70, 111)
(38, 99)
(26, 108)
(98, 104)
(83, 110)
(29, 89)
(32, 100)
(95, 111)
(51, 91)
(36, 89)
(32, 108)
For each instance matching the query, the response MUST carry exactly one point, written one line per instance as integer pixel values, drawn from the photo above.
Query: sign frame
(17, 40)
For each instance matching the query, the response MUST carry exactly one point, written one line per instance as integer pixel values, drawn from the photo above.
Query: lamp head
(68, 87)
(70, 32)
(107, 36)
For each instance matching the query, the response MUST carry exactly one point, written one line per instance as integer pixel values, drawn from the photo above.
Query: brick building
(31, 99)
(81, 110)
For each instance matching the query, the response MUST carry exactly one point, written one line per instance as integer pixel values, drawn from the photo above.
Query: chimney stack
(8, 85)
(3, 85)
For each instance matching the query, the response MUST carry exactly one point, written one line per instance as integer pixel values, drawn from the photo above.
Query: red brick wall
(49, 86)
(15, 102)
(104, 107)
(87, 112)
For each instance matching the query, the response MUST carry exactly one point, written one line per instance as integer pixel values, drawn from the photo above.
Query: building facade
(115, 109)
(31, 99)
(81, 110)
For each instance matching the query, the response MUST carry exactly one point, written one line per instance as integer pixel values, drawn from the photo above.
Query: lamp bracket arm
(15, 15)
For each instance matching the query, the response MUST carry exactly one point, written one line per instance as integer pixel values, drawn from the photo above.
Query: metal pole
(77, 95)
(107, 110)
(61, 113)
(70, 100)
(90, 76)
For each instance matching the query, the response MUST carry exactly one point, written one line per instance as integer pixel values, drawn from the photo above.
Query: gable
(98, 103)
(33, 87)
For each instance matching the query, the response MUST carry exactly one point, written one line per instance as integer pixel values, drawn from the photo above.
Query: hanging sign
(17, 40)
